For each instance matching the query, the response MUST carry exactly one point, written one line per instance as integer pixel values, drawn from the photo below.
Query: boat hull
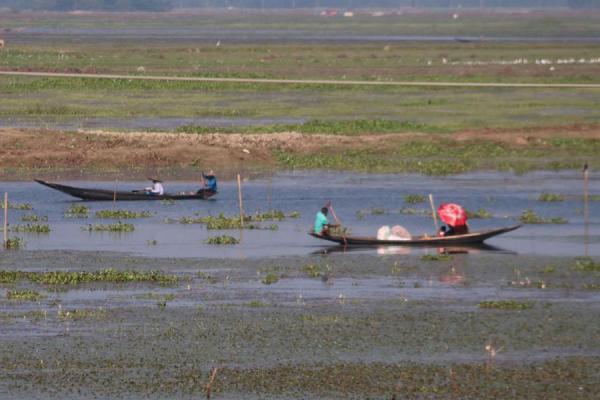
(110, 195)
(469, 238)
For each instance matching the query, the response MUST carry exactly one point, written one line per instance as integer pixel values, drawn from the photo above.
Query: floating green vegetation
(586, 264)
(34, 218)
(591, 286)
(256, 304)
(530, 217)
(507, 304)
(116, 227)
(479, 214)
(77, 211)
(415, 211)
(167, 202)
(31, 228)
(436, 257)
(315, 270)
(594, 197)
(272, 215)
(360, 214)
(156, 296)
(223, 239)
(151, 242)
(414, 198)
(14, 243)
(81, 314)
(222, 222)
(23, 295)
(122, 214)
(208, 278)
(551, 197)
(270, 278)
(549, 269)
(79, 277)
(15, 206)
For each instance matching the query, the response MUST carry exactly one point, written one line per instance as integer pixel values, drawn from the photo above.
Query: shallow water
(504, 195)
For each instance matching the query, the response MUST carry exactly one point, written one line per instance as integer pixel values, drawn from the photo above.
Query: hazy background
(166, 5)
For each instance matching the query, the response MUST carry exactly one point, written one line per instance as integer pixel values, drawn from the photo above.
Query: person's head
(211, 172)
(324, 210)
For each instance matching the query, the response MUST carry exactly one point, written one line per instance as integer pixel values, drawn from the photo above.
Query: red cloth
(452, 214)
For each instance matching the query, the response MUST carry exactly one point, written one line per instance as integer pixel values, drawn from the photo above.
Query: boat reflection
(407, 250)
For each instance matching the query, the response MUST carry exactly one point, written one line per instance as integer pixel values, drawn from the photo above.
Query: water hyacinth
(122, 214)
(551, 197)
(223, 239)
(530, 217)
(23, 295)
(31, 228)
(77, 211)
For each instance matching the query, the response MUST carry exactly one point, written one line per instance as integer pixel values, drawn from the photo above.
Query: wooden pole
(239, 182)
(586, 210)
(5, 219)
(433, 212)
(115, 196)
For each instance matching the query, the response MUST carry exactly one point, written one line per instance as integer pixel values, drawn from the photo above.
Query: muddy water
(362, 202)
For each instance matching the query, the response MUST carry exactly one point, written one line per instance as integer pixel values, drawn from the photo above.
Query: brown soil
(24, 152)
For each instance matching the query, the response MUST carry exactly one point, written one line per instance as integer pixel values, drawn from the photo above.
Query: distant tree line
(165, 5)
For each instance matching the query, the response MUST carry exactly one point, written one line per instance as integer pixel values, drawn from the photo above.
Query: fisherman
(156, 188)
(322, 223)
(209, 181)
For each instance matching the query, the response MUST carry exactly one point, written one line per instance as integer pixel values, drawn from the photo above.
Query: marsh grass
(507, 304)
(116, 227)
(80, 314)
(122, 214)
(530, 217)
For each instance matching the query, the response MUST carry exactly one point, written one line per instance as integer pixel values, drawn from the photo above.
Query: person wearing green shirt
(321, 222)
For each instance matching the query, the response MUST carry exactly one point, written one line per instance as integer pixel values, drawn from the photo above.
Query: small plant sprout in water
(117, 227)
(23, 295)
(122, 214)
(34, 218)
(14, 243)
(15, 206)
(31, 228)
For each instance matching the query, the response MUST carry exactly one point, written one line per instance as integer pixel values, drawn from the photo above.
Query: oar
(337, 221)
(433, 212)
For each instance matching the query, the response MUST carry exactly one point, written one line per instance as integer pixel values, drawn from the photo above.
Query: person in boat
(322, 224)
(209, 181)
(156, 188)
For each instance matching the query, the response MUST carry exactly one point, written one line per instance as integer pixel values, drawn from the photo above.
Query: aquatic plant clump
(586, 264)
(223, 239)
(106, 275)
(551, 197)
(34, 218)
(77, 211)
(507, 304)
(14, 243)
(530, 217)
(15, 206)
(270, 278)
(117, 227)
(414, 199)
(479, 214)
(23, 295)
(122, 214)
(31, 228)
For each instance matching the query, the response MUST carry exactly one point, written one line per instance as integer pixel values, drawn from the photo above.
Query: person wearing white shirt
(157, 187)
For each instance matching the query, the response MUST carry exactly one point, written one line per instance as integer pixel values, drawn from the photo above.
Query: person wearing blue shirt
(322, 223)
(209, 181)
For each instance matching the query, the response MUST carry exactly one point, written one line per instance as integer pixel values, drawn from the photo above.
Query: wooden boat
(109, 195)
(468, 238)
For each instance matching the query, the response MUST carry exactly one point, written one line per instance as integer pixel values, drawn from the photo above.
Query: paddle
(433, 212)
(337, 222)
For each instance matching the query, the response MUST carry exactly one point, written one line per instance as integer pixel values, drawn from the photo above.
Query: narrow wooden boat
(468, 238)
(109, 195)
